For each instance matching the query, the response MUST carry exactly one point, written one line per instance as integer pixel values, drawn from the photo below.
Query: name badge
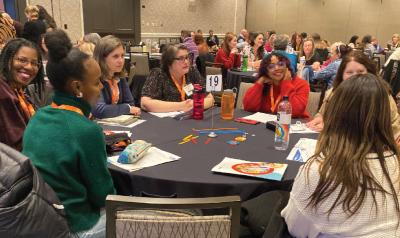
(188, 89)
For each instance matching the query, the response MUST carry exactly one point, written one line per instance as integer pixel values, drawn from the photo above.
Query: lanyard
(26, 106)
(67, 107)
(180, 87)
(114, 91)
(273, 103)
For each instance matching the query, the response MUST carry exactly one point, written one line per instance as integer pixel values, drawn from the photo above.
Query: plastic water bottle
(282, 127)
(198, 102)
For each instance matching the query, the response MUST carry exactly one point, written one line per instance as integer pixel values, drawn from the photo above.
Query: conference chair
(242, 91)
(313, 103)
(166, 217)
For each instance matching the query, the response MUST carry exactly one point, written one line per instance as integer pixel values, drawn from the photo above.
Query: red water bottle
(198, 102)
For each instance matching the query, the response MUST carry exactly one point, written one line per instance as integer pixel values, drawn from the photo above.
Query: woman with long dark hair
(20, 65)
(350, 187)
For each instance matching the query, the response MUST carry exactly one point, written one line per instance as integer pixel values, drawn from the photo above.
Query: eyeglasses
(280, 64)
(182, 58)
(25, 61)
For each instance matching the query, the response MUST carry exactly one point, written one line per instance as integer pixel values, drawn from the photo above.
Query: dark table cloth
(191, 176)
(234, 78)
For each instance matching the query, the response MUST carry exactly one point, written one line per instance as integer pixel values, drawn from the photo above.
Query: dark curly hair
(7, 55)
(64, 62)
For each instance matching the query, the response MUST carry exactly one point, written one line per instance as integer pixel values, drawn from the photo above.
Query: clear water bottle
(282, 127)
(198, 102)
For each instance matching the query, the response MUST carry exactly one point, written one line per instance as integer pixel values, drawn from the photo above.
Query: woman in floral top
(171, 87)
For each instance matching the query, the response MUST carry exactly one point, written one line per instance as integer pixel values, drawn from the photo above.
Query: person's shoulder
(5, 91)
(299, 81)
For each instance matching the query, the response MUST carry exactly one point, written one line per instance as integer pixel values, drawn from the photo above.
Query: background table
(234, 78)
(191, 176)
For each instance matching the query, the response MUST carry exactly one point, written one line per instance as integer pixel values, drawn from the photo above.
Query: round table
(191, 175)
(234, 78)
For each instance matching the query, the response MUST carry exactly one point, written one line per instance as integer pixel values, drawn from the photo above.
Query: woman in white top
(350, 187)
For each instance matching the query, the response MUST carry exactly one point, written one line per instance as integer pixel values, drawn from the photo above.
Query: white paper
(300, 128)
(153, 157)
(303, 150)
(165, 114)
(138, 122)
(261, 117)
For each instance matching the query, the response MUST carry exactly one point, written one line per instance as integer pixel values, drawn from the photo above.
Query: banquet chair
(136, 49)
(141, 62)
(242, 91)
(148, 217)
(313, 103)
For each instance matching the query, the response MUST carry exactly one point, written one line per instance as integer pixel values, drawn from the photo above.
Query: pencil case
(133, 152)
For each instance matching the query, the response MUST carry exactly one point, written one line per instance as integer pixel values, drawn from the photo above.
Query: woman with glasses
(20, 64)
(276, 79)
(353, 63)
(116, 96)
(170, 88)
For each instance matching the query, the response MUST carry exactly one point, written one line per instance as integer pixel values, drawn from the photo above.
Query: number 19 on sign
(214, 83)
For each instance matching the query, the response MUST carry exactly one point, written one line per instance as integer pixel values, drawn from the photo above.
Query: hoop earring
(79, 95)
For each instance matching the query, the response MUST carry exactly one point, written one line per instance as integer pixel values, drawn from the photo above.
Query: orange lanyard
(26, 106)
(180, 87)
(114, 91)
(67, 107)
(273, 103)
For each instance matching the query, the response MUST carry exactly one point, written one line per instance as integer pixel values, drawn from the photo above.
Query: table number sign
(214, 83)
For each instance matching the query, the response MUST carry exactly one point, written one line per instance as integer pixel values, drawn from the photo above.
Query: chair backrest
(213, 70)
(141, 62)
(136, 48)
(130, 216)
(242, 91)
(313, 103)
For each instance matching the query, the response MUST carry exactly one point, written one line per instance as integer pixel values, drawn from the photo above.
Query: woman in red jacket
(228, 53)
(275, 80)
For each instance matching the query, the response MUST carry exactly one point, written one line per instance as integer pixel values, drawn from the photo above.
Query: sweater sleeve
(253, 99)
(395, 118)
(126, 93)
(298, 91)
(93, 166)
(12, 124)
(104, 110)
(298, 222)
(228, 61)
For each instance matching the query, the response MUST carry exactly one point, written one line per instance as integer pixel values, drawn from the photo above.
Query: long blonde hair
(357, 121)
(32, 11)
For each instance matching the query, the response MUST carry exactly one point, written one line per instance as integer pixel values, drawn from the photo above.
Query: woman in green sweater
(67, 148)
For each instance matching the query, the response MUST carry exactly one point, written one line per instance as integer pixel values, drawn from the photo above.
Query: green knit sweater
(69, 151)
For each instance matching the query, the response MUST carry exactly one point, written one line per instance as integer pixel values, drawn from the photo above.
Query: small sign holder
(213, 84)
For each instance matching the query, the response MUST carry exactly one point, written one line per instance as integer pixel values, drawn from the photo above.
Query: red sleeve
(12, 123)
(298, 91)
(252, 101)
(222, 58)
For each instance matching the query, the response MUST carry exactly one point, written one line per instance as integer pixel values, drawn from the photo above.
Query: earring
(79, 95)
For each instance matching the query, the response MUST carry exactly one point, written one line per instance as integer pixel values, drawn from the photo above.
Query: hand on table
(316, 124)
(186, 105)
(135, 111)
